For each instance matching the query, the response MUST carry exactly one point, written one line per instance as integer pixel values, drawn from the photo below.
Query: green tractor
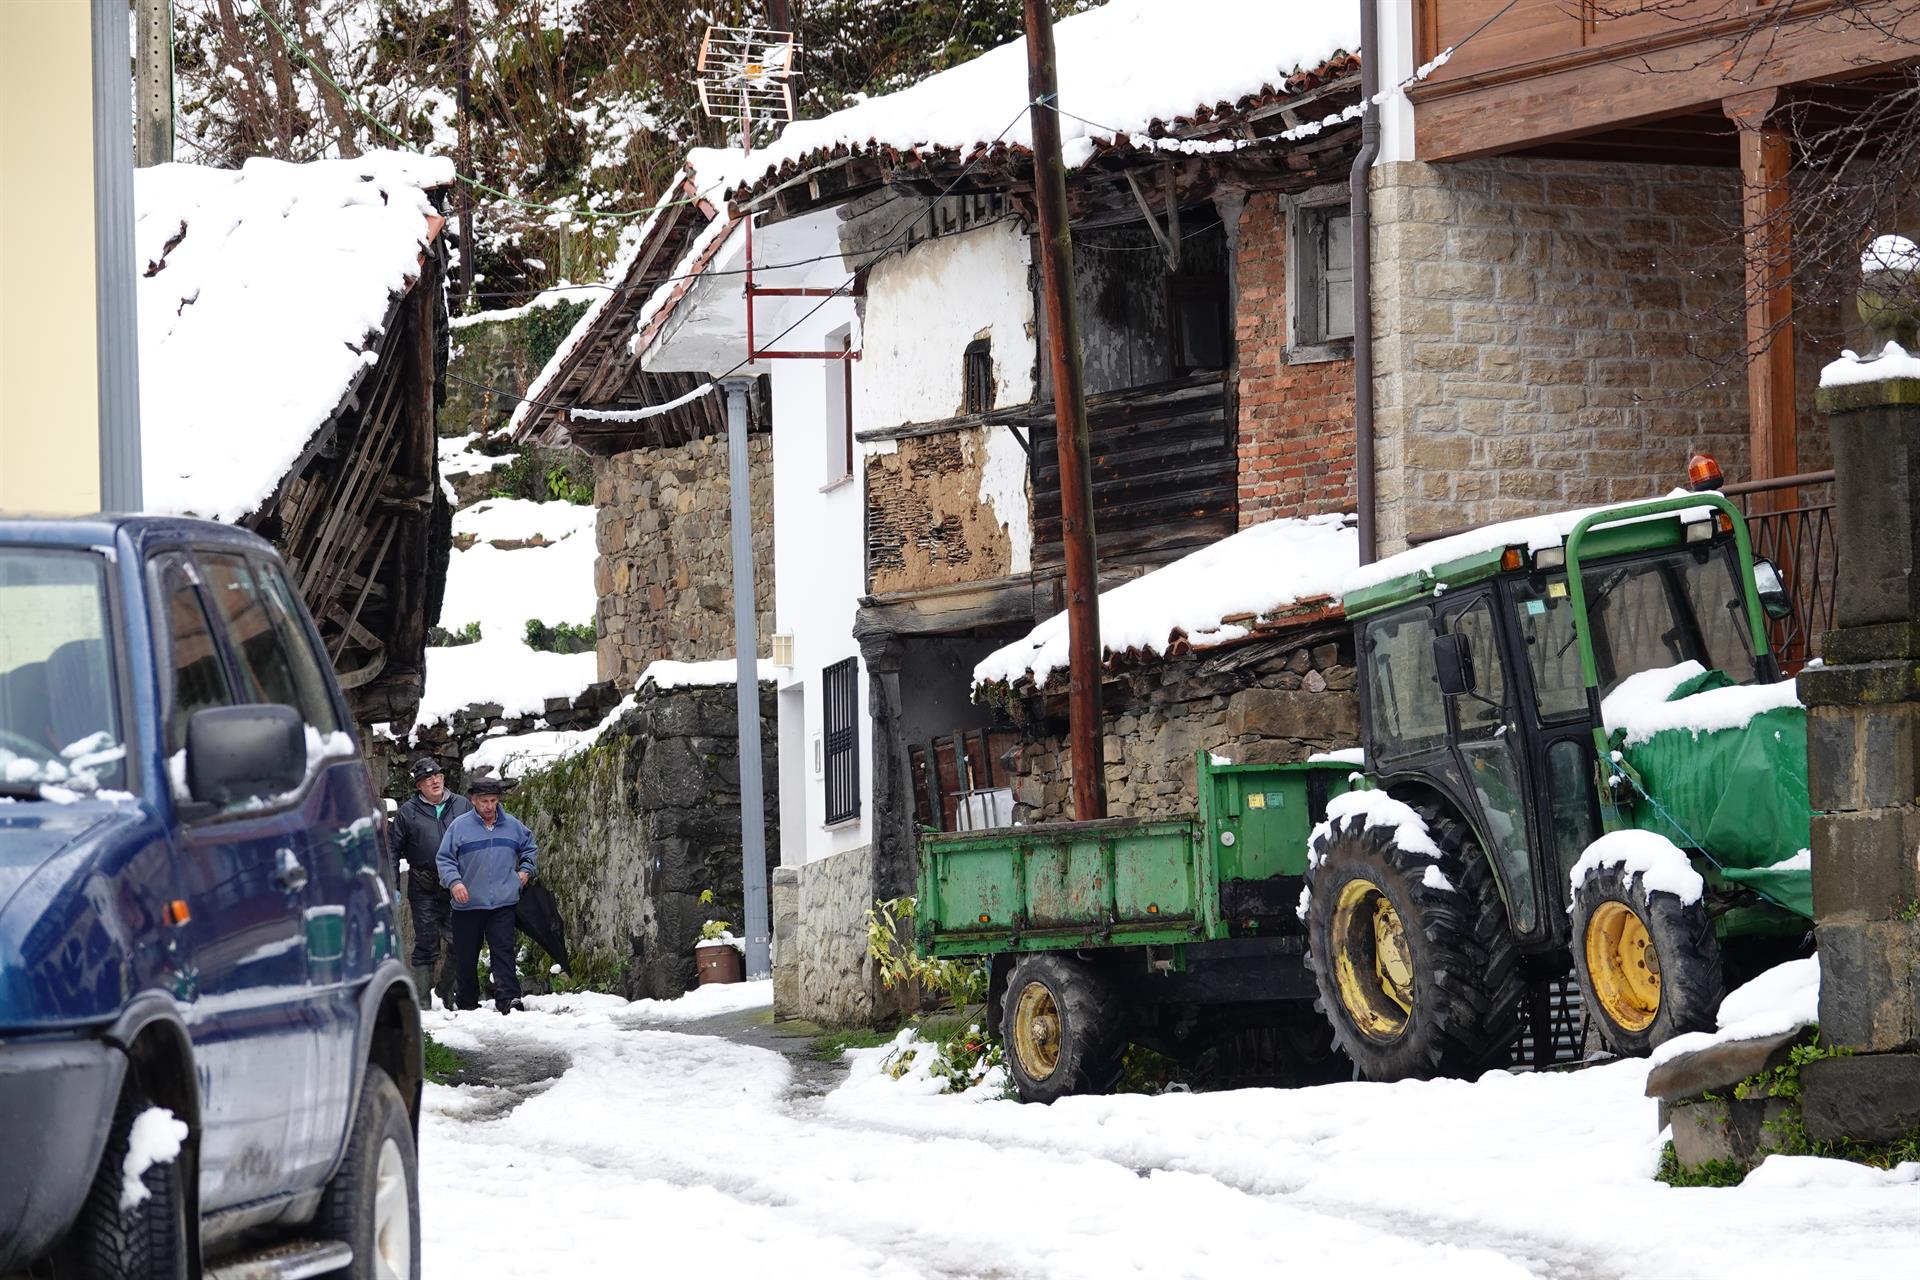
(1582, 755)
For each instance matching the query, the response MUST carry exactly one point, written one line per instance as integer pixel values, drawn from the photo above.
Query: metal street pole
(116, 327)
(1070, 412)
(746, 648)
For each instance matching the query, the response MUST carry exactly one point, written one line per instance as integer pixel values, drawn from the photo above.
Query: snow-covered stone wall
(665, 573)
(634, 828)
(1548, 335)
(1273, 701)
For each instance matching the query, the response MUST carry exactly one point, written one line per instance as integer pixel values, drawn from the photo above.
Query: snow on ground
(1260, 570)
(667, 673)
(502, 590)
(458, 457)
(675, 1147)
(229, 400)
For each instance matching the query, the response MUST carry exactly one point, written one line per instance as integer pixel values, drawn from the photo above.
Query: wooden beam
(1767, 246)
(1684, 69)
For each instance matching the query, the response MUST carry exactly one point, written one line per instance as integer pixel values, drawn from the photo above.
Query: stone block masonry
(665, 573)
(1550, 334)
(1275, 700)
(1295, 415)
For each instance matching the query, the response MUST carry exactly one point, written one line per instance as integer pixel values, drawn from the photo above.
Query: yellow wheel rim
(1623, 966)
(1372, 961)
(1036, 1031)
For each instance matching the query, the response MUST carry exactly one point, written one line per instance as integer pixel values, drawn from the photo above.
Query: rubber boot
(446, 987)
(423, 983)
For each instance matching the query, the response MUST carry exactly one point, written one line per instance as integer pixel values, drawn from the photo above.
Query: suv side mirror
(1772, 591)
(1453, 664)
(240, 753)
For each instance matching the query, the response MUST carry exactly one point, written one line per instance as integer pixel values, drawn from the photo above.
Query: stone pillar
(1863, 730)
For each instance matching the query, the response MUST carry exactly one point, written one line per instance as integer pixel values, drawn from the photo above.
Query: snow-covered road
(654, 1151)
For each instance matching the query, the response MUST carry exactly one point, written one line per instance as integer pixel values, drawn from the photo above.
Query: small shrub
(440, 637)
(1714, 1173)
(441, 1062)
(562, 637)
(962, 982)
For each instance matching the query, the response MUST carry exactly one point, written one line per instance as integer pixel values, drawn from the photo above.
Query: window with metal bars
(840, 695)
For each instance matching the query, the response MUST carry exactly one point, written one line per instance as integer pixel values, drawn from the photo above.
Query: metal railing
(1799, 539)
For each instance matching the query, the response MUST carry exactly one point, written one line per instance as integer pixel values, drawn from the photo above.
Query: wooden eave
(603, 370)
(1532, 104)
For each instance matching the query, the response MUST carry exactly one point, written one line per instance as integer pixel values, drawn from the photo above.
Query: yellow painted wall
(49, 407)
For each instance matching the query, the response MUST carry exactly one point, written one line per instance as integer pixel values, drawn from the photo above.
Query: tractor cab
(1485, 659)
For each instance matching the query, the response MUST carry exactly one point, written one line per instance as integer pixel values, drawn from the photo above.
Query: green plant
(548, 327)
(963, 982)
(562, 487)
(562, 637)
(441, 1063)
(1714, 1173)
(444, 639)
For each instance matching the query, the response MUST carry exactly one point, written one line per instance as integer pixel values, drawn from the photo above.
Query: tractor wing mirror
(1771, 590)
(1453, 664)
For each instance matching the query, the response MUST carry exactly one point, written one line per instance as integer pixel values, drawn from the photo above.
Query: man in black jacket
(417, 828)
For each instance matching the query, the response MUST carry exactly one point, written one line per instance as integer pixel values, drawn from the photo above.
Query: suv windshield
(1645, 613)
(59, 718)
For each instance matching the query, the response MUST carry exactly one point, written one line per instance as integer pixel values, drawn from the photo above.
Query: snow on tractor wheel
(1643, 946)
(1409, 942)
(1063, 1028)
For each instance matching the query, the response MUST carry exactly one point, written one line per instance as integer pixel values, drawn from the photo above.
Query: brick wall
(1549, 334)
(665, 573)
(1295, 419)
(926, 522)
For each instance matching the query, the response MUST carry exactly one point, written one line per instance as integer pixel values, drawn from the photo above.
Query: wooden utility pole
(1070, 416)
(153, 83)
(1768, 248)
(463, 103)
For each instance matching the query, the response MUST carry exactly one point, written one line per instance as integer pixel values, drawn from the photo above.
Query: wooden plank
(1689, 67)
(1767, 245)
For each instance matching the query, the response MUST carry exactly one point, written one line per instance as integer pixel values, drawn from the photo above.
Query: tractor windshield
(1644, 613)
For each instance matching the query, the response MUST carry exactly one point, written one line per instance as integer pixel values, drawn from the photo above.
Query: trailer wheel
(1062, 1027)
(1648, 963)
(1414, 958)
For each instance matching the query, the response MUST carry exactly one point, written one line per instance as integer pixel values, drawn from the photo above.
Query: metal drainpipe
(1363, 279)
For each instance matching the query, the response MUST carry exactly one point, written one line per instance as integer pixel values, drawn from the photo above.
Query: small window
(977, 373)
(839, 407)
(274, 662)
(840, 695)
(195, 674)
(1323, 270)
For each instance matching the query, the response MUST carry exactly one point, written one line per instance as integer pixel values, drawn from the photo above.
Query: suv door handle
(291, 875)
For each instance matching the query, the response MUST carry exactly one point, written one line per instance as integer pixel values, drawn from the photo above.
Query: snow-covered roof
(1213, 596)
(1135, 67)
(262, 297)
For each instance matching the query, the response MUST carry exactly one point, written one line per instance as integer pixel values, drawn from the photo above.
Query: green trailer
(1180, 933)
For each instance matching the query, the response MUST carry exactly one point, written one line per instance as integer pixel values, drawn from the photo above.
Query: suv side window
(270, 648)
(195, 675)
(1408, 713)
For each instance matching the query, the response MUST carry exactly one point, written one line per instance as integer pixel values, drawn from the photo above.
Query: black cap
(486, 787)
(424, 767)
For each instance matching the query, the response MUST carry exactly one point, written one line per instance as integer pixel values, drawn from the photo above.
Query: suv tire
(147, 1240)
(1648, 964)
(1418, 973)
(373, 1202)
(1062, 1028)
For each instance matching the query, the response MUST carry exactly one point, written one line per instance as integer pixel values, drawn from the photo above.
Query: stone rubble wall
(821, 970)
(665, 573)
(451, 741)
(1272, 701)
(1551, 334)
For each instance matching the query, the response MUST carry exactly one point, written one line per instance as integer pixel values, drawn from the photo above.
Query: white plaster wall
(926, 305)
(819, 551)
(1396, 64)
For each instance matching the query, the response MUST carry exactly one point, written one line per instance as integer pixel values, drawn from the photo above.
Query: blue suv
(209, 1051)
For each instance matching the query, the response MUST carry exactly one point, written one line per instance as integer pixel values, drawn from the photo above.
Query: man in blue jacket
(486, 858)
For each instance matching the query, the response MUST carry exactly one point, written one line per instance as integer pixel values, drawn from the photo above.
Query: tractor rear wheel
(1648, 964)
(1062, 1028)
(1416, 963)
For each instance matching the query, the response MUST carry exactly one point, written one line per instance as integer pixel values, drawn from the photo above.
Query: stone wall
(1295, 416)
(1274, 700)
(821, 969)
(496, 360)
(451, 741)
(1550, 333)
(633, 829)
(665, 572)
